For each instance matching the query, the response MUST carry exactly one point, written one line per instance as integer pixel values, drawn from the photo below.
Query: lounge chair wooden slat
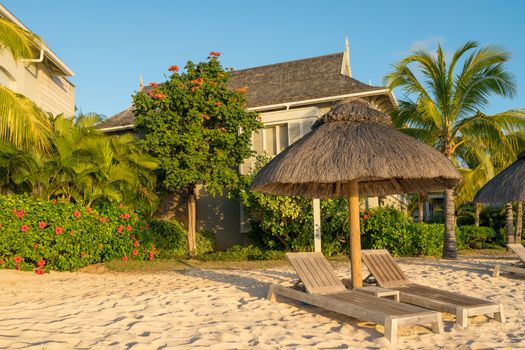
(319, 278)
(389, 275)
(519, 267)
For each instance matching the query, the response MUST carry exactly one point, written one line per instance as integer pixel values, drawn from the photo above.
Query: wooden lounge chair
(519, 267)
(388, 274)
(325, 290)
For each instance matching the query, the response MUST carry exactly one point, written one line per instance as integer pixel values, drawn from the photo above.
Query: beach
(227, 309)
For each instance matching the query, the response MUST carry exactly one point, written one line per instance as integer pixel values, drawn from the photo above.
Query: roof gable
(311, 78)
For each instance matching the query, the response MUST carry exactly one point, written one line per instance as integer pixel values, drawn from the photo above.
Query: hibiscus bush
(59, 235)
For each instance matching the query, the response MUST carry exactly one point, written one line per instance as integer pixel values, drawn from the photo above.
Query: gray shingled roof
(306, 79)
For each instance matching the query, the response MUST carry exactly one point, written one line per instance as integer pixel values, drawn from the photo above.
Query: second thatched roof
(355, 141)
(507, 186)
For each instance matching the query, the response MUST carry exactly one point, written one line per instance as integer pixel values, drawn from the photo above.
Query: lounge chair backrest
(384, 268)
(316, 273)
(518, 249)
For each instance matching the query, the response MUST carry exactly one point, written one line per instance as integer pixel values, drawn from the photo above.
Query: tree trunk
(420, 211)
(477, 208)
(450, 250)
(510, 223)
(519, 223)
(192, 218)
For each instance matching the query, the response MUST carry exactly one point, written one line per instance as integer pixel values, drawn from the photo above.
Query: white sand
(227, 309)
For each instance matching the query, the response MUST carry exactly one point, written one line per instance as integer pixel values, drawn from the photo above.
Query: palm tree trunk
(420, 211)
(477, 208)
(192, 218)
(450, 250)
(510, 223)
(519, 223)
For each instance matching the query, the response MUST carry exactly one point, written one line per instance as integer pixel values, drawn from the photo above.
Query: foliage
(196, 126)
(239, 253)
(83, 165)
(205, 242)
(388, 228)
(65, 236)
(476, 237)
(22, 123)
(171, 239)
(443, 107)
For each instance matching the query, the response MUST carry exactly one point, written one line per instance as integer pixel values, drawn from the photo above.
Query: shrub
(428, 239)
(66, 236)
(240, 253)
(388, 228)
(205, 241)
(475, 237)
(171, 238)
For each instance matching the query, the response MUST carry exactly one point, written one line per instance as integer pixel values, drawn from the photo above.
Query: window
(275, 139)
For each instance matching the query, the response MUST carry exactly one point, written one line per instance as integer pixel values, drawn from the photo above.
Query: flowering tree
(198, 129)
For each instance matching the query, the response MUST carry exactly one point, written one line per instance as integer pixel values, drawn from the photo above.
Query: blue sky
(109, 44)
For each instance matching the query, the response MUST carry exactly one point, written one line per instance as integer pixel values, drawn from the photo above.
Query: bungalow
(43, 78)
(289, 97)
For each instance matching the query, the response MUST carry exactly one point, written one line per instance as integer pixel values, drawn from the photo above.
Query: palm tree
(443, 106)
(22, 123)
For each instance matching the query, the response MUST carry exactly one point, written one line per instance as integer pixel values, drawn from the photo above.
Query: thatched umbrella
(507, 186)
(352, 150)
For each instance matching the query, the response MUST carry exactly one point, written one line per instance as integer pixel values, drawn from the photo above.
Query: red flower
(120, 228)
(89, 210)
(365, 217)
(103, 220)
(153, 85)
(40, 271)
(136, 243)
(54, 201)
(125, 216)
(132, 237)
(173, 69)
(76, 214)
(151, 255)
(83, 254)
(217, 104)
(24, 228)
(20, 214)
(17, 260)
(215, 54)
(121, 205)
(58, 230)
(62, 201)
(135, 252)
(124, 258)
(35, 246)
(129, 228)
(41, 263)
(41, 225)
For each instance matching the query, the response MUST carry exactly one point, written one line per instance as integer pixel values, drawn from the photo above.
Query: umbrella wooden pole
(355, 234)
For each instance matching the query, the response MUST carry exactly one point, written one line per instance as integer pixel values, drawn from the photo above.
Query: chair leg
(391, 330)
(437, 327)
(500, 316)
(271, 293)
(462, 317)
(496, 271)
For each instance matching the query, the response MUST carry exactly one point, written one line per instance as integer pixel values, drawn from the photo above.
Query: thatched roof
(507, 186)
(354, 141)
(286, 82)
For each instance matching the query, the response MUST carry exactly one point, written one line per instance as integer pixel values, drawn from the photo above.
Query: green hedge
(240, 253)
(59, 235)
